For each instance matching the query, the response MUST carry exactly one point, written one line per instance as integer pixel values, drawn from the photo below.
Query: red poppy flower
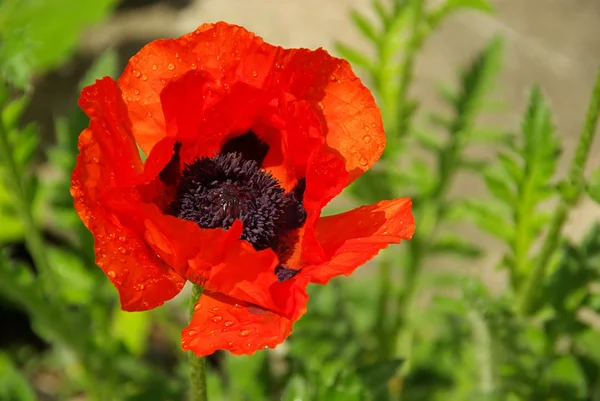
(246, 143)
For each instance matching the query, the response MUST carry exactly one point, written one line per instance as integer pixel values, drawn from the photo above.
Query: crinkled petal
(228, 53)
(350, 239)
(222, 322)
(234, 268)
(109, 159)
(352, 119)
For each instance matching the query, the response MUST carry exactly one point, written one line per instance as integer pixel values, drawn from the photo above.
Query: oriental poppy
(246, 143)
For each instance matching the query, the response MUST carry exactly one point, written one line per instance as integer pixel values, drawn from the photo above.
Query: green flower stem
(197, 364)
(23, 206)
(570, 196)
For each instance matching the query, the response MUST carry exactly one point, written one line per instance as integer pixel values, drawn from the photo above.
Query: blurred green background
(439, 318)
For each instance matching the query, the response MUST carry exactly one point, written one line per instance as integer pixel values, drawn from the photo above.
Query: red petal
(350, 239)
(221, 322)
(234, 268)
(228, 53)
(108, 158)
(347, 108)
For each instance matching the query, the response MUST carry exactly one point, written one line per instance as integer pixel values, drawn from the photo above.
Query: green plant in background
(368, 338)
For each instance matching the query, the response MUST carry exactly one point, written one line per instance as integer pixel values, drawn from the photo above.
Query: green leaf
(296, 390)
(247, 377)
(354, 56)
(487, 216)
(427, 140)
(105, 65)
(451, 243)
(41, 34)
(13, 386)
(567, 376)
(375, 376)
(78, 284)
(364, 26)
(132, 328)
(593, 186)
(498, 186)
(451, 6)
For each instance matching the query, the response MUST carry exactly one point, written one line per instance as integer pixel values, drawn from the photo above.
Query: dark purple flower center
(215, 191)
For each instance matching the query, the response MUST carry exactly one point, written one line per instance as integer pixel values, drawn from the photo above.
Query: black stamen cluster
(214, 192)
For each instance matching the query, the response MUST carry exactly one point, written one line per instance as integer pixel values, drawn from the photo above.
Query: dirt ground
(555, 43)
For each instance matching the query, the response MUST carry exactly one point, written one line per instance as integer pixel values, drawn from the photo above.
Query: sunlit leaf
(13, 386)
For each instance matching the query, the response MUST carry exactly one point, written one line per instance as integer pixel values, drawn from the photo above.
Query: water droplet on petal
(228, 324)
(212, 332)
(367, 138)
(193, 66)
(217, 319)
(198, 306)
(144, 77)
(321, 105)
(192, 333)
(149, 114)
(171, 67)
(254, 74)
(333, 78)
(249, 345)
(363, 161)
(137, 92)
(111, 274)
(136, 73)
(215, 309)
(122, 250)
(230, 343)
(244, 333)
(367, 129)
(129, 98)
(373, 125)
(154, 67)
(176, 55)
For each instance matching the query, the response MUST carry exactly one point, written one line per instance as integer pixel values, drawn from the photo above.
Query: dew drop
(136, 73)
(228, 324)
(244, 333)
(149, 114)
(129, 99)
(122, 250)
(367, 129)
(367, 138)
(171, 67)
(192, 333)
(249, 345)
(154, 67)
(254, 74)
(144, 77)
(111, 274)
(363, 161)
(224, 329)
(217, 319)
(215, 309)
(212, 332)
(373, 125)
(332, 78)
(137, 92)
(230, 343)
(193, 66)
(198, 306)
(176, 55)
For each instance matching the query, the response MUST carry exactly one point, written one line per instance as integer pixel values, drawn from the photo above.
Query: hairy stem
(197, 364)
